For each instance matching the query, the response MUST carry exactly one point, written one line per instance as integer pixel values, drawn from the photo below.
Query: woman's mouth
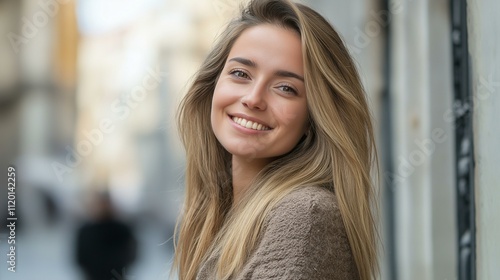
(249, 124)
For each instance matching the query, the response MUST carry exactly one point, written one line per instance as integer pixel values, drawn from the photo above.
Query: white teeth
(250, 124)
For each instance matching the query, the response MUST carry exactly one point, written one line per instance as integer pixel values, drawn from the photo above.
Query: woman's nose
(255, 99)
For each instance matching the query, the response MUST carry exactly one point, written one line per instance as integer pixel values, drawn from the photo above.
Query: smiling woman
(279, 147)
(252, 92)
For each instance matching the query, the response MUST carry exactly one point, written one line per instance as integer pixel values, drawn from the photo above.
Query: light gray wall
(484, 46)
(423, 140)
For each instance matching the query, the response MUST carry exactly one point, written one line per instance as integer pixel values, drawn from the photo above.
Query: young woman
(279, 147)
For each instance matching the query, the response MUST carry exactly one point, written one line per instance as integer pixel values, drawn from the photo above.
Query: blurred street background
(88, 92)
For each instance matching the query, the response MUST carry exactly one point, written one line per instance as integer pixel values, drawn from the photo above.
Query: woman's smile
(249, 122)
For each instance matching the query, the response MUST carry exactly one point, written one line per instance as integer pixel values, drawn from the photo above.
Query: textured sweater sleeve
(303, 238)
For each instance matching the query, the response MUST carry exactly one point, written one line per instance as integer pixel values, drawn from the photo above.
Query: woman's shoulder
(307, 203)
(303, 238)
(304, 211)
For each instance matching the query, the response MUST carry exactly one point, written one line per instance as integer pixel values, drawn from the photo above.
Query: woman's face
(259, 107)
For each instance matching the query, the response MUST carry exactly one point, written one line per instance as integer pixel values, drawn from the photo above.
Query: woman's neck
(243, 172)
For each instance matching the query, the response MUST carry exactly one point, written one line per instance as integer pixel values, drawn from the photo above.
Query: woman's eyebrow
(244, 61)
(279, 73)
(288, 74)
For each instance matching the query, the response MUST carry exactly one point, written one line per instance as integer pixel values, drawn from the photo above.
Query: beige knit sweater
(303, 238)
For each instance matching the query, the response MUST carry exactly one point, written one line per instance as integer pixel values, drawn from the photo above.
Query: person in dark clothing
(106, 246)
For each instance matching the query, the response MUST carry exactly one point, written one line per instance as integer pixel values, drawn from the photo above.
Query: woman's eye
(287, 89)
(239, 74)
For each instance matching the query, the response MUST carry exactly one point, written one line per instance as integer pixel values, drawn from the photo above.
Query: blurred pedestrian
(105, 246)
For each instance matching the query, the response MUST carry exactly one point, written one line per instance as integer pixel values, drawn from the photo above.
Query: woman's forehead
(269, 46)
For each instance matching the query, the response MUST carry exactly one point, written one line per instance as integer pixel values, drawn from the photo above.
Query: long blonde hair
(337, 153)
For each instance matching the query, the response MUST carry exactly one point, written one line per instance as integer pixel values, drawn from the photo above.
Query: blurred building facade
(88, 92)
